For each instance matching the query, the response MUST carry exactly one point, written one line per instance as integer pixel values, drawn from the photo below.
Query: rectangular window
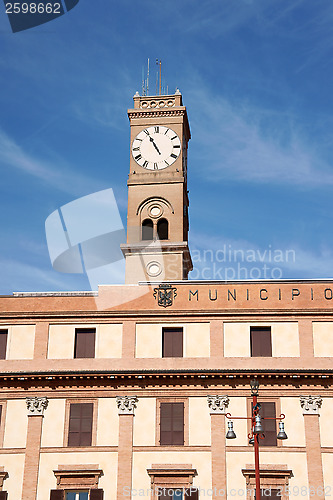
(261, 341)
(172, 424)
(84, 343)
(77, 495)
(272, 494)
(171, 494)
(3, 343)
(178, 494)
(268, 409)
(80, 424)
(172, 342)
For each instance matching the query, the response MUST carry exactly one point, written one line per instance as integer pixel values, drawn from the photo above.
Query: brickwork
(32, 457)
(305, 338)
(219, 473)
(313, 455)
(125, 454)
(216, 338)
(128, 344)
(41, 340)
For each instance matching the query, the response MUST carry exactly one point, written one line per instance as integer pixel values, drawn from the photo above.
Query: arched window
(147, 229)
(163, 229)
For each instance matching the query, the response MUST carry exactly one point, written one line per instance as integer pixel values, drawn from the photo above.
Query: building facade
(127, 391)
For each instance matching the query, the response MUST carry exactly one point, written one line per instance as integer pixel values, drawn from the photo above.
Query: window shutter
(57, 495)
(166, 423)
(177, 347)
(80, 424)
(178, 423)
(96, 494)
(261, 342)
(268, 410)
(165, 493)
(3, 343)
(84, 343)
(172, 424)
(172, 343)
(191, 494)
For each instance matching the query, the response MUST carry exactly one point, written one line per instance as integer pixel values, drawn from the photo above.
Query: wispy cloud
(20, 276)
(254, 145)
(226, 253)
(53, 172)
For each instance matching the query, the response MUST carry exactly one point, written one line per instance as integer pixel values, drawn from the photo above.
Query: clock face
(155, 148)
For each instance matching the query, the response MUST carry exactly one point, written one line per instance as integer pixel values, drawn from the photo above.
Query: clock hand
(152, 140)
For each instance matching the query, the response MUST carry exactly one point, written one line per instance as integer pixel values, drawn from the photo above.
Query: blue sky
(256, 77)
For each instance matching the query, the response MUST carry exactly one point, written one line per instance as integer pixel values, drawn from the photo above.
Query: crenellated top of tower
(158, 101)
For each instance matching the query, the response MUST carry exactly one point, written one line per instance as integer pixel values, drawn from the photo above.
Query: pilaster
(126, 407)
(217, 406)
(36, 407)
(310, 406)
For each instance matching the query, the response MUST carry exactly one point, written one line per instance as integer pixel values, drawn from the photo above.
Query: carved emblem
(36, 405)
(218, 404)
(311, 404)
(165, 294)
(126, 404)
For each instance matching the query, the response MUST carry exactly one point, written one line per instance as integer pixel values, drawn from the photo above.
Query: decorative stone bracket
(126, 404)
(311, 404)
(36, 406)
(218, 404)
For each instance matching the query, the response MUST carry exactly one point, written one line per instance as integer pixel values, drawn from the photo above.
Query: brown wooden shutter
(274, 494)
(191, 494)
(172, 424)
(166, 423)
(3, 495)
(268, 410)
(172, 342)
(3, 343)
(165, 493)
(80, 424)
(261, 341)
(96, 494)
(84, 343)
(57, 495)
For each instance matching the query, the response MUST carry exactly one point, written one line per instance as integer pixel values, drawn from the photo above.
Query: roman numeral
(177, 146)
(155, 166)
(175, 137)
(136, 149)
(173, 155)
(138, 157)
(157, 130)
(145, 164)
(166, 163)
(146, 132)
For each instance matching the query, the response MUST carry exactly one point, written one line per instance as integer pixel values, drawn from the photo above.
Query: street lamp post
(257, 430)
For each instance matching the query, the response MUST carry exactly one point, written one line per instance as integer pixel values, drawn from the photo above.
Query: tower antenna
(157, 77)
(148, 78)
(143, 82)
(160, 77)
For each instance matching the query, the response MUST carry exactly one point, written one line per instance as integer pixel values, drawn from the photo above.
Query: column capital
(310, 404)
(218, 405)
(36, 405)
(126, 404)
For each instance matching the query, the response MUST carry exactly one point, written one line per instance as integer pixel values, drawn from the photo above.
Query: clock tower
(157, 218)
